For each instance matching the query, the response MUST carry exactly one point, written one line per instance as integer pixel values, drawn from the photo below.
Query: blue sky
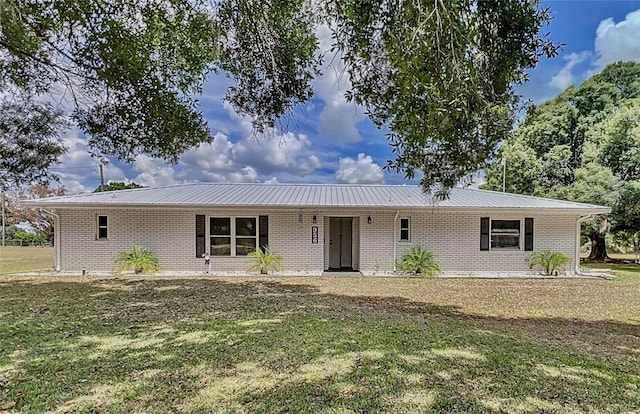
(329, 140)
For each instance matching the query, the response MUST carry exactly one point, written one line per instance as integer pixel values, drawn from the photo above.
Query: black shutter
(484, 233)
(201, 234)
(528, 234)
(263, 224)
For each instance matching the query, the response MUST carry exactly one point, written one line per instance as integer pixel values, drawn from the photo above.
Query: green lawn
(15, 259)
(332, 345)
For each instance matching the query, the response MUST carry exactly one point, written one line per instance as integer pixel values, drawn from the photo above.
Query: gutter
(395, 244)
(56, 237)
(579, 221)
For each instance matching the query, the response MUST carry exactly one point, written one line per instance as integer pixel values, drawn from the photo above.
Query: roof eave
(102, 206)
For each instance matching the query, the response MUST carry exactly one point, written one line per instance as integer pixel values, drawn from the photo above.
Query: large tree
(584, 145)
(438, 75)
(29, 142)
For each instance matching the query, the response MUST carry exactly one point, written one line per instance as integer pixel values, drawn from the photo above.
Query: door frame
(354, 243)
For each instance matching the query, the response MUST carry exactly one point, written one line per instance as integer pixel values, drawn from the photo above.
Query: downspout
(395, 244)
(580, 220)
(56, 236)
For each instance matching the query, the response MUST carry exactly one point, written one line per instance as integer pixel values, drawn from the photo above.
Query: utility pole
(3, 219)
(103, 162)
(504, 173)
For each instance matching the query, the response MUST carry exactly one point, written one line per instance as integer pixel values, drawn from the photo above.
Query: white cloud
(77, 167)
(153, 172)
(618, 41)
(338, 118)
(360, 171)
(284, 153)
(564, 78)
(249, 159)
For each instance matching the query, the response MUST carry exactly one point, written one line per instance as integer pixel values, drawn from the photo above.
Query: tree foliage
(437, 75)
(583, 146)
(118, 185)
(40, 221)
(29, 142)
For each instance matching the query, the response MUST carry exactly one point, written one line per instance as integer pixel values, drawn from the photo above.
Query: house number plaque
(314, 234)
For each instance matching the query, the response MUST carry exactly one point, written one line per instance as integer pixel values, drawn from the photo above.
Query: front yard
(319, 345)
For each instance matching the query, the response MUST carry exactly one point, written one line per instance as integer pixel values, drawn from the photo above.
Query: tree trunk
(598, 247)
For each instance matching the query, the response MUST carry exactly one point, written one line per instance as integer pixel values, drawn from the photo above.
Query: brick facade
(170, 233)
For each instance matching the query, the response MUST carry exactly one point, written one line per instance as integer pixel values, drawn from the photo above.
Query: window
(220, 231)
(505, 234)
(246, 232)
(235, 236)
(103, 227)
(404, 229)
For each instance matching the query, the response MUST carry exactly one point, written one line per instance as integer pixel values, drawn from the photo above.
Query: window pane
(221, 226)
(245, 246)
(245, 226)
(102, 221)
(102, 233)
(505, 234)
(220, 246)
(404, 224)
(404, 234)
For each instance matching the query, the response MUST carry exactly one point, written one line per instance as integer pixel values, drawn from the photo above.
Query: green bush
(264, 260)
(30, 237)
(140, 260)
(550, 262)
(419, 260)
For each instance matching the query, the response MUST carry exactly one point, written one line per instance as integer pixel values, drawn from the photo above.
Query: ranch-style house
(316, 228)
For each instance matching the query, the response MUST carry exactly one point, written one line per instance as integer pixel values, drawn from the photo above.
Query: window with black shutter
(484, 233)
(201, 236)
(263, 224)
(528, 234)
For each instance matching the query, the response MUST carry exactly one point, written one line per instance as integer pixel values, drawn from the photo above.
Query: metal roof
(224, 195)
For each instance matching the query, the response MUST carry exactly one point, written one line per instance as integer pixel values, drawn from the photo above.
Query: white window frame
(233, 236)
(408, 228)
(99, 227)
(520, 246)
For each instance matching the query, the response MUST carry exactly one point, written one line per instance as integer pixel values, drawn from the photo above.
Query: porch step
(349, 273)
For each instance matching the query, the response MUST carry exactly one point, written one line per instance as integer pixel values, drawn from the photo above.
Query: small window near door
(103, 228)
(404, 229)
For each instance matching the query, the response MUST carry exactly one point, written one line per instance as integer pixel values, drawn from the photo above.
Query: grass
(622, 272)
(330, 345)
(14, 259)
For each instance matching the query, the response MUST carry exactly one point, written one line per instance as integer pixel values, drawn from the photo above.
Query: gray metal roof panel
(307, 195)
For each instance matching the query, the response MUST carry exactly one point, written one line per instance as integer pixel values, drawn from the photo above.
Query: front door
(340, 242)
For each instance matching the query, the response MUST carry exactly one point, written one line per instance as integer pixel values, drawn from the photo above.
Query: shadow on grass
(203, 345)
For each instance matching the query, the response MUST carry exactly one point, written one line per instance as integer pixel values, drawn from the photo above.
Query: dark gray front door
(340, 242)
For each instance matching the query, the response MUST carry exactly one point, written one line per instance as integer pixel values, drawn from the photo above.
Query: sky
(330, 140)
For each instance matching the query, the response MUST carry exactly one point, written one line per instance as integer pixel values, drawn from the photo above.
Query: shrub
(550, 262)
(264, 260)
(419, 260)
(140, 260)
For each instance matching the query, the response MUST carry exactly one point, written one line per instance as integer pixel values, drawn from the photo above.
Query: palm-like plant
(419, 260)
(140, 259)
(264, 260)
(550, 262)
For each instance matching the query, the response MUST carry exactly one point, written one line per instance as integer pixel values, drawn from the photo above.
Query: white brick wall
(170, 234)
